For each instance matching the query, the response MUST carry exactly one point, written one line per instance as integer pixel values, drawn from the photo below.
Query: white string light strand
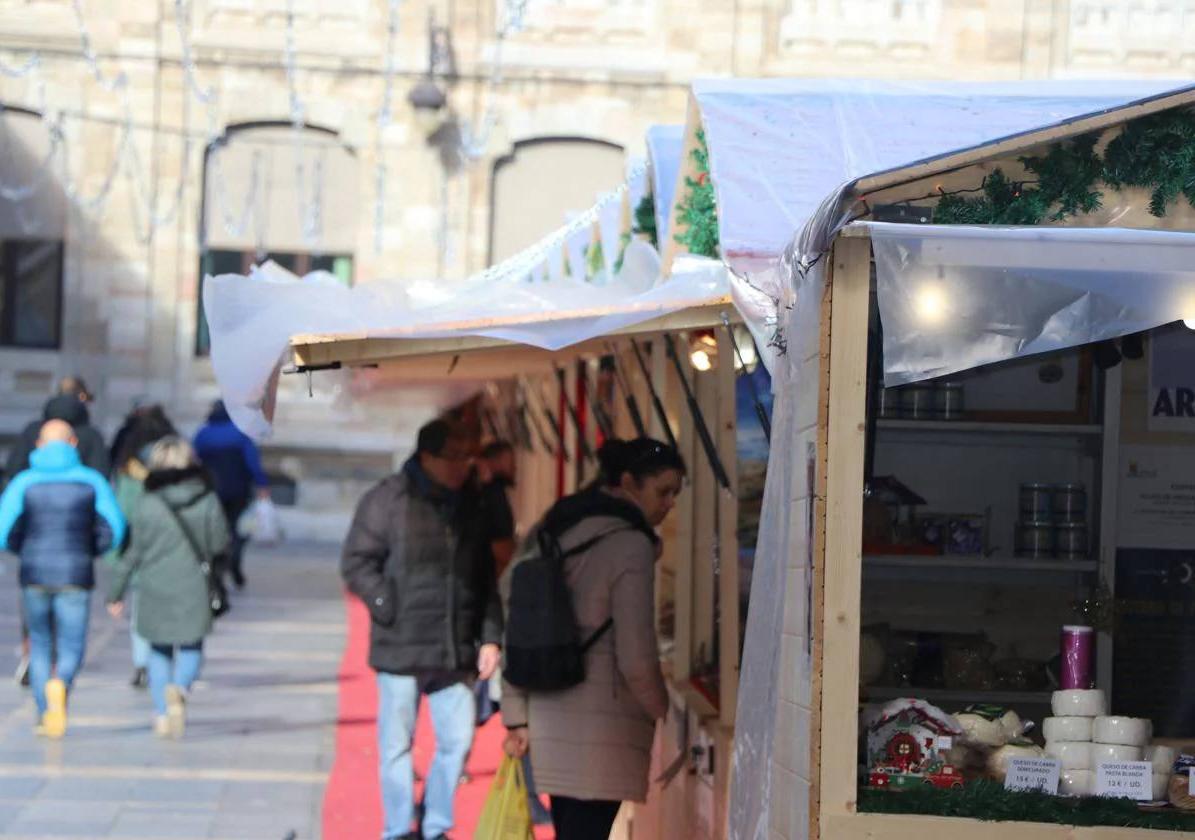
(385, 117)
(309, 212)
(474, 142)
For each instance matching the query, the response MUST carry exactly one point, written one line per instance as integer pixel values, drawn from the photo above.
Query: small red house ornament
(907, 744)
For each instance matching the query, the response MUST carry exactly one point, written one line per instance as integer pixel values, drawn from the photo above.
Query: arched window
(32, 226)
(273, 192)
(543, 179)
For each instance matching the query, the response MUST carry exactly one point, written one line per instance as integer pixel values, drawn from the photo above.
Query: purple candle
(1078, 647)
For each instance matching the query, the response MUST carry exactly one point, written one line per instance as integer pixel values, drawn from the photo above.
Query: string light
(385, 117)
(474, 143)
(31, 65)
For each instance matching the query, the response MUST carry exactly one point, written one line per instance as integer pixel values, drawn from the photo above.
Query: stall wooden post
(725, 435)
(1109, 491)
(843, 558)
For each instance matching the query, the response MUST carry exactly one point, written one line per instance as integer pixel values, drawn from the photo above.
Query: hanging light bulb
(745, 357)
(1189, 323)
(930, 304)
(703, 349)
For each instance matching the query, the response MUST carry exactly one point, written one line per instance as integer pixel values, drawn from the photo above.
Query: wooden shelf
(967, 561)
(957, 695)
(1065, 429)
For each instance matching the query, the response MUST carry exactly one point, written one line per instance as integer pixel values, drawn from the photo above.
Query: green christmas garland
(1155, 152)
(594, 260)
(645, 219)
(698, 212)
(989, 801)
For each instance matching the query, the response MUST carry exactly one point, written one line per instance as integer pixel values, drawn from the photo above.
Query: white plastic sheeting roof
(779, 147)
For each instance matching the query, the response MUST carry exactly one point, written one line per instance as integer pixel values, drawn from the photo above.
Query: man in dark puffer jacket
(418, 555)
(58, 515)
(69, 404)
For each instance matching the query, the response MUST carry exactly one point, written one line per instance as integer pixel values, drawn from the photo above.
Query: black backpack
(544, 650)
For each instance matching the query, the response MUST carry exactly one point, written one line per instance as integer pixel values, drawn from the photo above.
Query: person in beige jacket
(590, 745)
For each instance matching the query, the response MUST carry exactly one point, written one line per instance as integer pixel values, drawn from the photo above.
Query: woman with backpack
(590, 739)
(179, 531)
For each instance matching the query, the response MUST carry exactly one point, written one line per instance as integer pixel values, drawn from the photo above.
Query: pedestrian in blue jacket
(58, 516)
(232, 460)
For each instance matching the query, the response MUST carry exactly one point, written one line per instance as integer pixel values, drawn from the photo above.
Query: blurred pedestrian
(57, 515)
(69, 404)
(178, 527)
(415, 556)
(234, 463)
(590, 745)
(143, 427)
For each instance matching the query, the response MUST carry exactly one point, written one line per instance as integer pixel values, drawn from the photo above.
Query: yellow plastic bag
(507, 814)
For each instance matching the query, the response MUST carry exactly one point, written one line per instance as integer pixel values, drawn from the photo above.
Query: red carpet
(352, 800)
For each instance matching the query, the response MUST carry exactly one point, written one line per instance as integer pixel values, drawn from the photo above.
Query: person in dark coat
(57, 516)
(173, 609)
(69, 404)
(232, 459)
(418, 560)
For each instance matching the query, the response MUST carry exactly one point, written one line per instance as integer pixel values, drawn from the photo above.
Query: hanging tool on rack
(520, 433)
(703, 432)
(491, 423)
(655, 397)
(628, 395)
(760, 411)
(559, 448)
(600, 416)
(582, 443)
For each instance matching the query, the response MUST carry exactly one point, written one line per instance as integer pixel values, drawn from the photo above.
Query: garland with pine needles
(1156, 152)
(990, 802)
(698, 210)
(645, 219)
(594, 260)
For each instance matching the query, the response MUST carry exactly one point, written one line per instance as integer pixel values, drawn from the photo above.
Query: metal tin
(1070, 541)
(1068, 503)
(1035, 539)
(887, 402)
(917, 402)
(1036, 502)
(948, 401)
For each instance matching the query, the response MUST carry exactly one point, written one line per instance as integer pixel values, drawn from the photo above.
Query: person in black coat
(69, 404)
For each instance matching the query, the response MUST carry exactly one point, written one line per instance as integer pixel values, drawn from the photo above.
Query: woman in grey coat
(590, 745)
(176, 525)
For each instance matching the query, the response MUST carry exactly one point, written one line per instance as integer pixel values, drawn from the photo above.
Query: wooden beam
(357, 349)
(1018, 143)
(844, 527)
(726, 437)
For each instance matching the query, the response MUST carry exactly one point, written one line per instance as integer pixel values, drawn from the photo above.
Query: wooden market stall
(963, 444)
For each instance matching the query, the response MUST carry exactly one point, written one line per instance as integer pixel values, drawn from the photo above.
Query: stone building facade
(283, 127)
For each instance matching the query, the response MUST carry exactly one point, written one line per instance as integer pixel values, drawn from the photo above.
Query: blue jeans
(169, 665)
(453, 712)
(57, 620)
(139, 643)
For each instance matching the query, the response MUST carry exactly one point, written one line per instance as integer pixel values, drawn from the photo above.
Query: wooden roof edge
(460, 328)
(1025, 140)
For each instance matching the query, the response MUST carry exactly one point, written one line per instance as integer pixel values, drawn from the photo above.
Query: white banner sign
(1157, 497)
(1125, 780)
(1172, 380)
(1033, 774)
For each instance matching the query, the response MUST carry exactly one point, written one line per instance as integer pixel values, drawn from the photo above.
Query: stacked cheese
(1082, 737)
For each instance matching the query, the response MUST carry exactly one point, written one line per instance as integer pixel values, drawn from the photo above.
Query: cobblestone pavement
(259, 741)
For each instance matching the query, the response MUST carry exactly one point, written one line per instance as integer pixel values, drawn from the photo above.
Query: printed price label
(1033, 774)
(1125, 780)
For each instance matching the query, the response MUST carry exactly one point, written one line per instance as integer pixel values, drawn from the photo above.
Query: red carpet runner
(352, 800)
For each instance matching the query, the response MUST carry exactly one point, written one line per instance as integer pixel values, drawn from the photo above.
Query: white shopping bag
(265, 522)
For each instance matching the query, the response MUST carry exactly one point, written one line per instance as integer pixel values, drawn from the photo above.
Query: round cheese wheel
(1161, 784)
(1079, 702)
(1076, 782)
(1073, 755)
(1162, 758)
(998, 760)
(1104, 753)
(1133, 732)
(1067, 728)
(981, 731)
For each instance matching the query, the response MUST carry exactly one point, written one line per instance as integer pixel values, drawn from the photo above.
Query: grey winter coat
(172, 595)
(419, 557)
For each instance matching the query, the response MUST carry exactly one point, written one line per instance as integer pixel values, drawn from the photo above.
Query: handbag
(217, 594)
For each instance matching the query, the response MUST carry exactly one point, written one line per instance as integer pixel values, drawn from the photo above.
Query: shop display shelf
(938, 696)
(1064, 429)
(969, 561)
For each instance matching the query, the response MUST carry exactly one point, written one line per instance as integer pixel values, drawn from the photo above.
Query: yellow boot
(54, 720)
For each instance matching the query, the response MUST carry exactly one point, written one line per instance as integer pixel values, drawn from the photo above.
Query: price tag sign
(1125, 780)
(1029, 774)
